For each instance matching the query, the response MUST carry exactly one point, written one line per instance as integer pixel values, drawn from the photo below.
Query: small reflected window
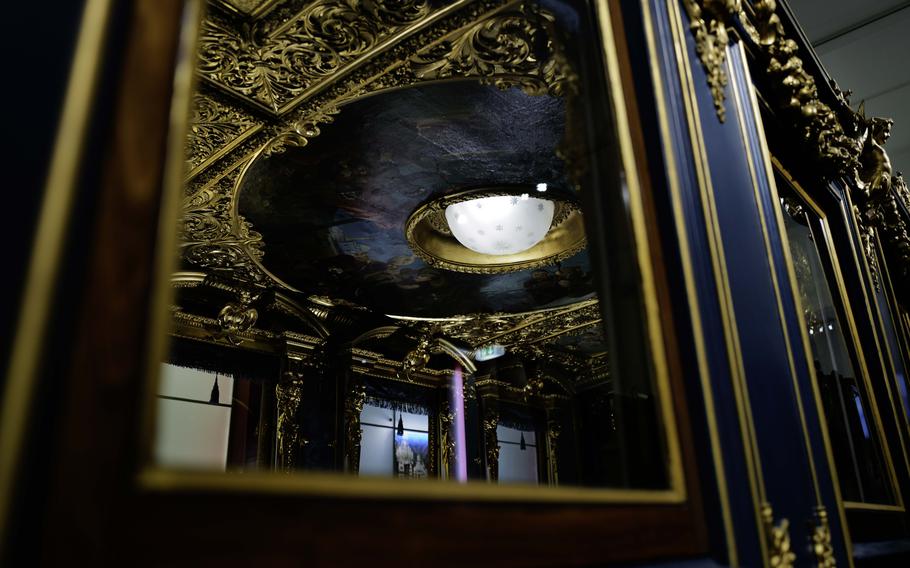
(395, 443)
(194, 418)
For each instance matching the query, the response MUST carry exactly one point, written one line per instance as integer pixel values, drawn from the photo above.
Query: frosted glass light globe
(500, 225)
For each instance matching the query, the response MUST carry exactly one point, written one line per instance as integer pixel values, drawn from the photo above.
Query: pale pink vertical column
(461, 454)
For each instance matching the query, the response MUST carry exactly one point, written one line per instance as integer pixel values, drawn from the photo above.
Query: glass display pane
(900, 355)
(418, 262)
(855, 439)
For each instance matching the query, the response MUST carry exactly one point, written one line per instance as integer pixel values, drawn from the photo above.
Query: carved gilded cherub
(874, 173)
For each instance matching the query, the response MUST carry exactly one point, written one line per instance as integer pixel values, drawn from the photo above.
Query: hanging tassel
(400, 431)
(522, 444)
(215, 397)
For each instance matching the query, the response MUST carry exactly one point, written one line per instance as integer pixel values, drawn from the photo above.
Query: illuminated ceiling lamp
(492, 230)
(503, 224)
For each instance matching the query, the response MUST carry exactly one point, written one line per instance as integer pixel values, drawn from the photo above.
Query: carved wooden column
(447, 440)
(288, 394)
(303, 362)
(353, 406)
(554, 428)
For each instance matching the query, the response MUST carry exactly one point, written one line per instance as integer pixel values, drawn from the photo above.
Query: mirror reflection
(858, 454)
(385, 269)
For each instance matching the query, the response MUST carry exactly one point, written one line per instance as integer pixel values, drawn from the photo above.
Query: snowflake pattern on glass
(502, 224)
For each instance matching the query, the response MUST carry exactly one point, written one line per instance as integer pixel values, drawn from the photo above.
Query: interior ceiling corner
(281, 85)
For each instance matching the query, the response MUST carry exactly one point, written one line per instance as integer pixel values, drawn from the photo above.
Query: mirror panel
(407, 252)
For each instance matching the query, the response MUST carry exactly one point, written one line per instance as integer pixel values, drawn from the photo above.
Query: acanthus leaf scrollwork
(513, 49)
(214, 125)
(209, 239)
(844, 143)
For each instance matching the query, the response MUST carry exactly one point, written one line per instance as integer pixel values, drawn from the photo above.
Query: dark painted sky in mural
(332, 213)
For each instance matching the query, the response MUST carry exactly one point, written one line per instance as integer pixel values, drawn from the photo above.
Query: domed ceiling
(332, 213)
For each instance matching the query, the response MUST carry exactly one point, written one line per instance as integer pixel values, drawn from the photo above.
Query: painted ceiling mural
(332, 213)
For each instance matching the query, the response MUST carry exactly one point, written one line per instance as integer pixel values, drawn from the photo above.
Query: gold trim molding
(270, 64)
(777, 537)
(526, 334)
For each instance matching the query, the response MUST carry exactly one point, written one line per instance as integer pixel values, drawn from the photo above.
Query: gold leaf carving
(491, 442)
(777, 536)
(821, 540)
(272, 65)
(288, 394)
(213, 126)
(211, 240)
(844, 142)
(515, 48)
(461, 45)
(708, 21)
(797, 96)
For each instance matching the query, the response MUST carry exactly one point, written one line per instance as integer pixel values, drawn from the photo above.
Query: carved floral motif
(213, 126)
(272, 63)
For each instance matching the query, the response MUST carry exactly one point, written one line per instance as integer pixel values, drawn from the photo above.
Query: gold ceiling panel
(488, 40)
(273, 64)
(271, 77)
